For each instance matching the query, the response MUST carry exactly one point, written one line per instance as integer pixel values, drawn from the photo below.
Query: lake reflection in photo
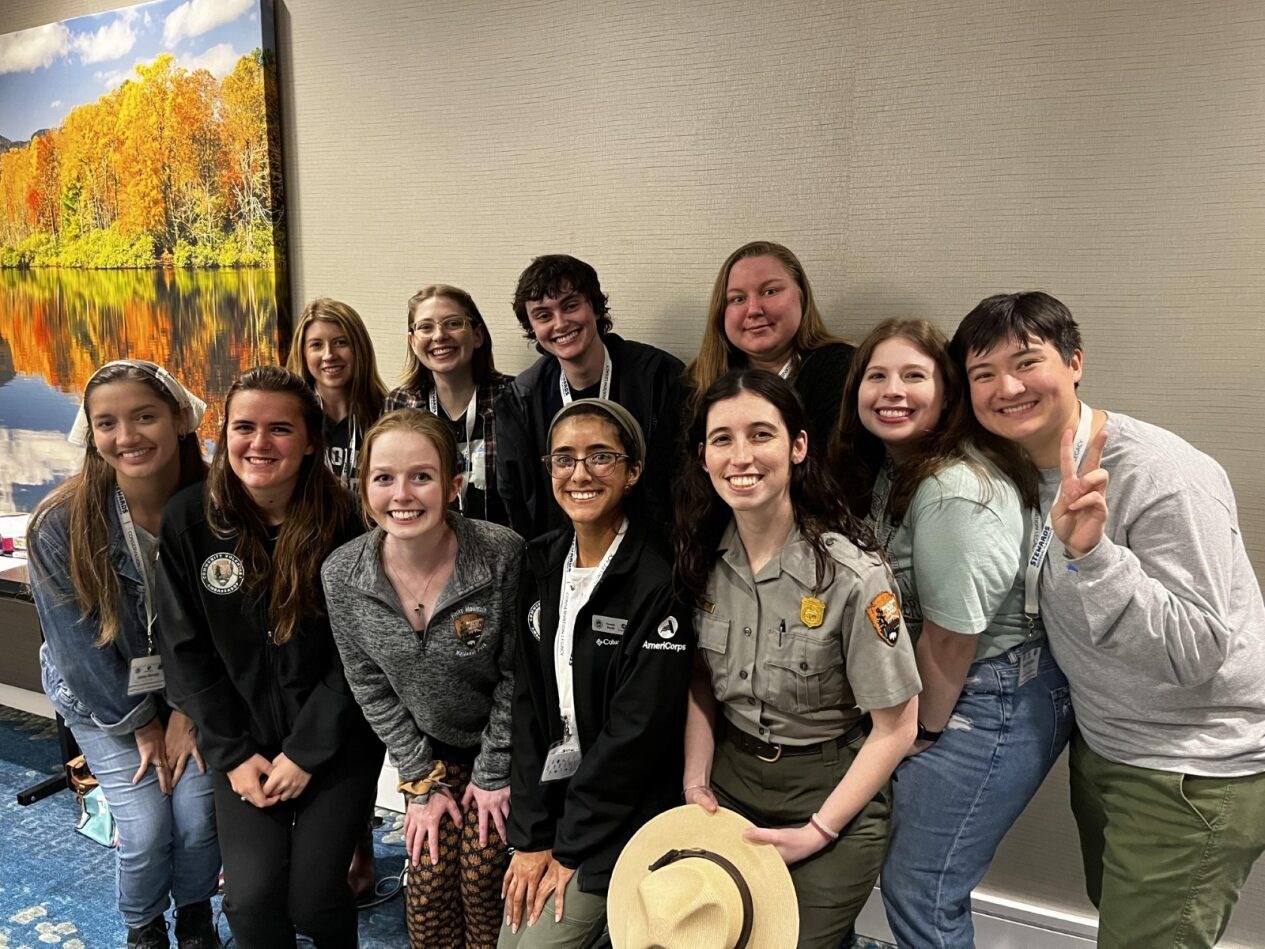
(57, 326)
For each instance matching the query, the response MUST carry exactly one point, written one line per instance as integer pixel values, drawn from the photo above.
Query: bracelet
(822, 828)
(926, 734)
(694, 787)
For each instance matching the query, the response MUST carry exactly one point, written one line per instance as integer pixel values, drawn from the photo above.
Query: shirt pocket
(713, 644)
(807, 676)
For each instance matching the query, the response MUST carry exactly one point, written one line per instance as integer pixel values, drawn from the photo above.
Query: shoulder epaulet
(844, 552)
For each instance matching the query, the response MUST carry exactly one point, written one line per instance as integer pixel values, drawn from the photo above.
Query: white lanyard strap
(1044, 533)
(138, 558)
(568, 609)
(471, 461)
(604, 390)
(785, 371)
(353, 443)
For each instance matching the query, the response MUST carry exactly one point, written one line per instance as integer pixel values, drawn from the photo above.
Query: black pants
(285, 866)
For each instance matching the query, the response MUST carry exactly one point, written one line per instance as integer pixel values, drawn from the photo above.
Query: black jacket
(245, 694)
(630, 696)
(819, 382)
(644, 380)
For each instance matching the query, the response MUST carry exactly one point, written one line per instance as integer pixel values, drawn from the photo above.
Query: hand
(247, 781)
(421, 824)
(287, 780)
(491, 804)
(793, 843)
(153, 750)
(918, 747)
(181, 744)
(703, 797)
(555, 881)
(518, 889)
(1079, 516)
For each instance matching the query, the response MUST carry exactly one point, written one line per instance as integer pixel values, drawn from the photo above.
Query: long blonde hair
(716, 355)
(318, 510)
(368, 393)
(88, 494)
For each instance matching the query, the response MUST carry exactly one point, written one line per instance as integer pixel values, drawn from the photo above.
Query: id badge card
(562, 761)
(146, 675)
(1028, 666)
(476, 464)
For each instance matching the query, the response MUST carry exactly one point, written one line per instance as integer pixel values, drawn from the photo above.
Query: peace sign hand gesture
(1080, 513)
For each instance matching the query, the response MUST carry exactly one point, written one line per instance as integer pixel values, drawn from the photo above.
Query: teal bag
(95, 820)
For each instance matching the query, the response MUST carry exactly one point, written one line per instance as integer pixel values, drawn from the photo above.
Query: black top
(632, 659)
(819, 382)
(246, 694)
(342, 450)
(644, 380)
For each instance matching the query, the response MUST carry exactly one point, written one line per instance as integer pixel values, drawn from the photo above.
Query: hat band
(744, 891)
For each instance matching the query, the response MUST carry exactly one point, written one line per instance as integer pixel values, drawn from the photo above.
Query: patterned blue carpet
(57, 887)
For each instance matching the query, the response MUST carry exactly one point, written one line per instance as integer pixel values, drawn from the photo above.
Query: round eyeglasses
(597, 463)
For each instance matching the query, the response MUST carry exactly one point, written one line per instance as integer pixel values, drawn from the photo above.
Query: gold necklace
(397, 575)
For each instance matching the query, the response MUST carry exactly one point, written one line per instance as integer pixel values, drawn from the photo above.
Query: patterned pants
(457, 902)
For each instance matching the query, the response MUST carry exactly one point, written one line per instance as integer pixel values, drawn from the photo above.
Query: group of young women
(842, 603)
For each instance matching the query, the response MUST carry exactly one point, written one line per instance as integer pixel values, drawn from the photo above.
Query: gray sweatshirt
(1160, 629)
(452, 681)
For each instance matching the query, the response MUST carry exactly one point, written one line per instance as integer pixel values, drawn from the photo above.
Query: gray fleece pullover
(452, 681)
(1160, 629)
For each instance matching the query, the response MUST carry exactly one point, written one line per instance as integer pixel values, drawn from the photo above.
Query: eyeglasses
(429, 328)
(598, 463)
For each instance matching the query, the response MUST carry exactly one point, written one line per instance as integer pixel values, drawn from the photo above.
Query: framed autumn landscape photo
(141, 214)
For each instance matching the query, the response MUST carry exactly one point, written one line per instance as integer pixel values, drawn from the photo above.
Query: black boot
(153, 935)
(195, 928)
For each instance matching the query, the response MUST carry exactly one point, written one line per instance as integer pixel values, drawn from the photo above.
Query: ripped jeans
(953, 803)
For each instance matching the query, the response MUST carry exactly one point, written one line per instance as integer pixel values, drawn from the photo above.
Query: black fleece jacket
(632, 658)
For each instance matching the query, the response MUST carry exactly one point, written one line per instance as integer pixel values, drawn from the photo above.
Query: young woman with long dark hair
(252, 661)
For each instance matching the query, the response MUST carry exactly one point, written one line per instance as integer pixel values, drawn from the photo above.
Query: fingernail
(514, 928)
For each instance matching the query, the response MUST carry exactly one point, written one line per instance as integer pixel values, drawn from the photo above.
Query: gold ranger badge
(812, 612)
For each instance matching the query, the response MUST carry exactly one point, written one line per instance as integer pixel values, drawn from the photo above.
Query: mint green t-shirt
(959, 556)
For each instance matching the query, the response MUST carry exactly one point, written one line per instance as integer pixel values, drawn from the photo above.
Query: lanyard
(785, 371)
(604, 390)
(566, 629)
(138, 558)
(470, 460)
(1043, 535)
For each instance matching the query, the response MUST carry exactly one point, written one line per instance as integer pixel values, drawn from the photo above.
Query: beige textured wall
(917, 155)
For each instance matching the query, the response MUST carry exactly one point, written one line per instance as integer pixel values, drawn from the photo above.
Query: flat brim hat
(688, 880)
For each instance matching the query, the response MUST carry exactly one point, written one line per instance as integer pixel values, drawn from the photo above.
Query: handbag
(95, 820)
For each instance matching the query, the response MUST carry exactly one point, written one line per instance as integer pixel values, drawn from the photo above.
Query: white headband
(191, 407)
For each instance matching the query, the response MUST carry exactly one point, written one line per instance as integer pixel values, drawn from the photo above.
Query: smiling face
(405, 490)
(565, 325)
(585, 499)
(748, 453)
(763, 310)
(267, 441)
(901, 396)
(1026, 392)
(328, 355)
(444, 349)
(134, 430)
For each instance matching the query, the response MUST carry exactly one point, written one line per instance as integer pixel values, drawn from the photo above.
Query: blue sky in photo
(47, 71)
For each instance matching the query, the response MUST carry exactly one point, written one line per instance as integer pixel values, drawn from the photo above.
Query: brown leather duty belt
(771, 751)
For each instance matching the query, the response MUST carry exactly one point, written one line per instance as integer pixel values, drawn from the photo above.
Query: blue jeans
(953, 803)
(167, 846)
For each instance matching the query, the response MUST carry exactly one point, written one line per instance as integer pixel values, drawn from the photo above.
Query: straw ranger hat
(687, 880)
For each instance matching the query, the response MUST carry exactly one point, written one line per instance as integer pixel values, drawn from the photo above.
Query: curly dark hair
(552, 275)
(701, 515)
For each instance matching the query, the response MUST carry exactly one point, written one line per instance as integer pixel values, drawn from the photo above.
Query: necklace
(409, 585)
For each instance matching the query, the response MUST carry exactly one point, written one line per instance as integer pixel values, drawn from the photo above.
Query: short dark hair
(1018, 317)
(552, 275)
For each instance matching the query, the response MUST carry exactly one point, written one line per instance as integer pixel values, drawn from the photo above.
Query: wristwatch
(925, 734)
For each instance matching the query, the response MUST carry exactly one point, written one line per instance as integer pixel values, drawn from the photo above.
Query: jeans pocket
(1061, 698)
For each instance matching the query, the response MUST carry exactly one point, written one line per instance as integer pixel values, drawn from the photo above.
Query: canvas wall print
(141, 214)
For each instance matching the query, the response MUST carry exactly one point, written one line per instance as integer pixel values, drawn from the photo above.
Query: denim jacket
(85, 682)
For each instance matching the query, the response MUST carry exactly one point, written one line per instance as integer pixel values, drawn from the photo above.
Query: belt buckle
(775, 757)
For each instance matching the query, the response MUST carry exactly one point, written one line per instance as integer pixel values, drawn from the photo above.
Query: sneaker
(195, 927)
(153, 935)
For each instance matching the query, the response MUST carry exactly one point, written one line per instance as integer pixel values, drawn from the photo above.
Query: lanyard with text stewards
(1045, 534)
(563, 759)
(603, 391)
(145, 673)
(473, 455)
